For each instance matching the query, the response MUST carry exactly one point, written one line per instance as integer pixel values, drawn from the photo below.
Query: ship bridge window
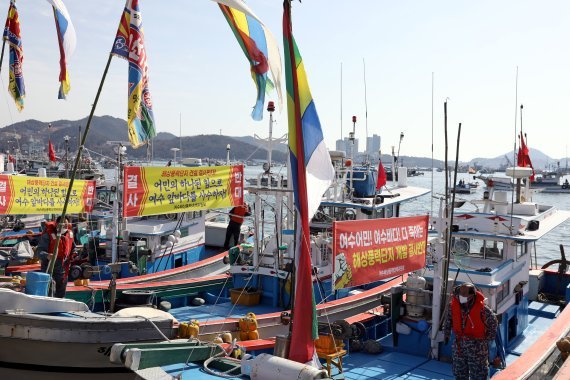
(193, 215)
(477, 248)
(325, 214)
(379, 213)
(522, 249)
(503, 291)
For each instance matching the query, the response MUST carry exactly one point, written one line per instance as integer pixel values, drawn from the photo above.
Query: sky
(200, 81)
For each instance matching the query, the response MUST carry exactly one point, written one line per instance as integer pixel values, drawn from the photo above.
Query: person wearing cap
(237, 215)
(474, 324)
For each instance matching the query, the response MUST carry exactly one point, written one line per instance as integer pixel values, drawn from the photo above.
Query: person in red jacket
(237, 215)
(474, 324)
(66, 245)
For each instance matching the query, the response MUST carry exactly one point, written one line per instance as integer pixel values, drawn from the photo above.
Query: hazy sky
(198, 70)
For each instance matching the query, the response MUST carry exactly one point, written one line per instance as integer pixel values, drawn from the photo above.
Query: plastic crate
(247, 298)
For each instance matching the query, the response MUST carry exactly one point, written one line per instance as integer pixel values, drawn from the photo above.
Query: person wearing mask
(46, 245)
(474, 324)
(237, 215)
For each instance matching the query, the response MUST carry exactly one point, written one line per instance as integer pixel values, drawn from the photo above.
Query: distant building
(373, 144)
(346, 146)
(340, 145)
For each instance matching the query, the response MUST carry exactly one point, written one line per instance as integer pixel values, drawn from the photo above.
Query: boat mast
(431, 198)
(365, 110)
(341, 135)
(352, 152)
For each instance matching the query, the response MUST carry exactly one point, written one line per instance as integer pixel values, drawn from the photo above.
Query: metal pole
(2, 54)
(270, 108)
(76, 166)
(352, 138)
(115, 226)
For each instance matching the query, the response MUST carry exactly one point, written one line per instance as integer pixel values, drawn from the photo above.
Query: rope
(224, 374)
(155, 326)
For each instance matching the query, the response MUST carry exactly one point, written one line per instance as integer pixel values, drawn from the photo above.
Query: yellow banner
(165, 190)
(35, 195)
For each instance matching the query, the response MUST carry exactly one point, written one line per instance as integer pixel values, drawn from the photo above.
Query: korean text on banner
(33, 195)
(164, 190)
(371, 250)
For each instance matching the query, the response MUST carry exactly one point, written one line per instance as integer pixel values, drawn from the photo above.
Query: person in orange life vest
(474, 324)
(234, 226)
(62, 262)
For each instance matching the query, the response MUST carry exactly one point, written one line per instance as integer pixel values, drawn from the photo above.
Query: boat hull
(44, 342)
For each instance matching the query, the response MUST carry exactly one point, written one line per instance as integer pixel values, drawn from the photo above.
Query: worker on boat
(237, 215)
(474, 324)
(47, 246)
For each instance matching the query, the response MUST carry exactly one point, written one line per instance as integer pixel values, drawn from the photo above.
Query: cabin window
(380, 213)
(194, 215)
(323, 214)
(522, 249)
(486, 249)
(178, 262)
(389, 211)
(184, 232)
(503, 291)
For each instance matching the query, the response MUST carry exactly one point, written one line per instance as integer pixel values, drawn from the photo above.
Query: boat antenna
(180, 135)
(449, 230)
(515, 142)
(446, 149)
(341, 135)
(365, 109)
(431, 198)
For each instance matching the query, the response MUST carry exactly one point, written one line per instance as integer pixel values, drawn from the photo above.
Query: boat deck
(390, 364)
(394, 365)
(220, 311)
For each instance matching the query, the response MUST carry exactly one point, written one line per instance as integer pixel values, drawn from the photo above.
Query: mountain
(539, 160)
(281, 147)
(31, 136)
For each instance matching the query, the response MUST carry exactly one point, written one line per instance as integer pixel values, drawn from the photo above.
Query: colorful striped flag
(67, 41)
(259, 47)
(12, 35)
(312, 173)
(129, 44)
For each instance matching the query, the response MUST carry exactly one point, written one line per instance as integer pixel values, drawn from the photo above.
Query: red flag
(51, 152)
(381, 176)
(11, 159)
(523, 157)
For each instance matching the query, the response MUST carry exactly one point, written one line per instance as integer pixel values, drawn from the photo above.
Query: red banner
(374, 249)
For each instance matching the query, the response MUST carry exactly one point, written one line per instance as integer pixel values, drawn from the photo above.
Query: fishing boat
(191, 161)
(463, 188)
(493, 248)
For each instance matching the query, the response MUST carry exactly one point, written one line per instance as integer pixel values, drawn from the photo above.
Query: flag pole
(76, 166)
(2, 54)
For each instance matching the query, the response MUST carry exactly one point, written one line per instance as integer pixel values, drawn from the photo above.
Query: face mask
(463, 299)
